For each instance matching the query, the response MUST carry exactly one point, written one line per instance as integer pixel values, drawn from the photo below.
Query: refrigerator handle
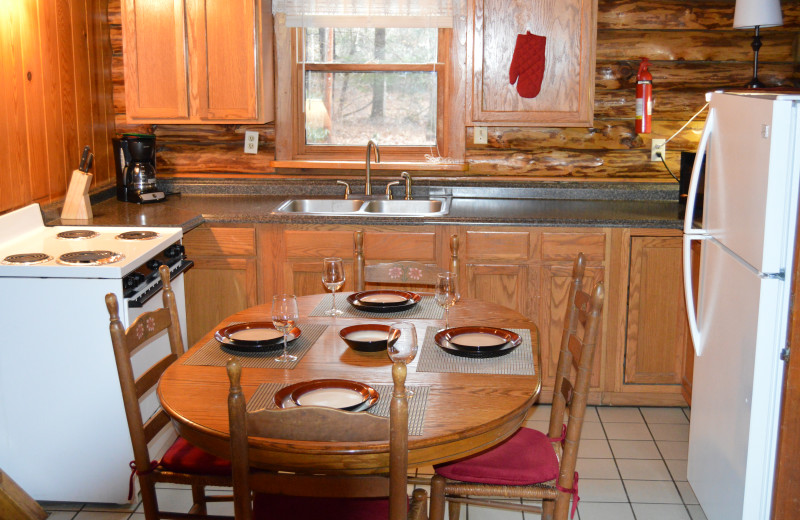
(691, 197)
(688, 292)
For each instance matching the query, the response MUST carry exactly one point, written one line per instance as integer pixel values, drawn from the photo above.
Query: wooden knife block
(77, 205)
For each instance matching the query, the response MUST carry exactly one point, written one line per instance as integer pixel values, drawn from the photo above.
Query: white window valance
(368, 13)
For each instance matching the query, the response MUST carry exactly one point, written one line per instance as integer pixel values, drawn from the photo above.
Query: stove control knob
(174, 251)
(133, 280)
(154, 264)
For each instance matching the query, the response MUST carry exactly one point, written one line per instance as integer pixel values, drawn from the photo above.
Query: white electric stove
(63, 434)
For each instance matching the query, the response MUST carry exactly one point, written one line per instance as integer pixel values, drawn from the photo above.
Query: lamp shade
(761, 13)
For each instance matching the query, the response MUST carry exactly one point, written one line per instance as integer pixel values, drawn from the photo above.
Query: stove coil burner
(77, 234)
(26, 259)
(137, 235)
(89, 258)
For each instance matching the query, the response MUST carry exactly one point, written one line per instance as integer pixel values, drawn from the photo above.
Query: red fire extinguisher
(644, 97)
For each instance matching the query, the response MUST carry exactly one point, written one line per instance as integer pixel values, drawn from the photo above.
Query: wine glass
(447, 293)
(401, 344)
(284, 318)
(333, 278)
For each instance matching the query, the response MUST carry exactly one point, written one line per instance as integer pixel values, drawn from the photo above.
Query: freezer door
(750, 201)
(736, 388)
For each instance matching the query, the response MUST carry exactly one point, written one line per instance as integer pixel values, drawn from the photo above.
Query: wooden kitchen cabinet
(652, 361)
(198, 61)
(529, 270)
(296, 252)
(643, 337)
(223, 280)
(566, 97)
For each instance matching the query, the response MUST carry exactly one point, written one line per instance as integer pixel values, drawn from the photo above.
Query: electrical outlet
(658, 146)
(251, 141)
(481, 135)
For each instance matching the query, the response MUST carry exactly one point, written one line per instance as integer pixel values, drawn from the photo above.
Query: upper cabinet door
(563, 93)
(209, 61)
(154, 35)
(223, 52)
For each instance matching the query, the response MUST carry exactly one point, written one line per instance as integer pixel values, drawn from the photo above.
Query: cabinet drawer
(504, 245)
(390, 246)
(317, 244)
(565, 246)
(220, 241)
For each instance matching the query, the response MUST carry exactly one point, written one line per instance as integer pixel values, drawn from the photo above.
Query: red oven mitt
(527, 64)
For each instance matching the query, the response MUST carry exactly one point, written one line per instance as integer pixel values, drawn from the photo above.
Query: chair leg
(199, 499)
(548, 506)
(149, 499)
(437, 497)
(453, 510)
(561, 509)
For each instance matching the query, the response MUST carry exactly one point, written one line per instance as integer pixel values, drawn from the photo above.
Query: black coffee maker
(135, 159)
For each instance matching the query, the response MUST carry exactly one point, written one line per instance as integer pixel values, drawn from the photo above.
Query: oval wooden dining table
(464, 413)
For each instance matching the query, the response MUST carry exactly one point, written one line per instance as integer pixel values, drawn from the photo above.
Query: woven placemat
(213, 353)
(264, 398)
(519, 362)
(426, 309)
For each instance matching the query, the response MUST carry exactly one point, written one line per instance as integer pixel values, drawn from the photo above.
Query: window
(363, 83)
(341, 84)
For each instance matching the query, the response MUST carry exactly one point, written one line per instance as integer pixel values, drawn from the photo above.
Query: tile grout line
(664, 460)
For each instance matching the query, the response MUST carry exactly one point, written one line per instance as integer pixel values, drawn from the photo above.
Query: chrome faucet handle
(389, 189)
(407, 177)
(346, 189)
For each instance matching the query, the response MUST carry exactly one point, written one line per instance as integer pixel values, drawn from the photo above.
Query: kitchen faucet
(371, 143)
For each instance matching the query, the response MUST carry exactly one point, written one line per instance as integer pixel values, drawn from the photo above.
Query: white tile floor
(632, 466)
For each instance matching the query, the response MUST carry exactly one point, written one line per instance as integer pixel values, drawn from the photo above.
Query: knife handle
(84, 156)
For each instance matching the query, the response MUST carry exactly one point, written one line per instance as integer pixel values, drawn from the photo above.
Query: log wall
(691, 44)
(61, 71)
(55, 97)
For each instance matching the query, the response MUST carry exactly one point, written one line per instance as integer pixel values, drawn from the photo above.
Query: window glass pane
(398, 108)
(371, 45)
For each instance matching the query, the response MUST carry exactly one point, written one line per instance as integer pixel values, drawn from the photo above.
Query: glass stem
(285, 348)
(446, 317)
(333, 294)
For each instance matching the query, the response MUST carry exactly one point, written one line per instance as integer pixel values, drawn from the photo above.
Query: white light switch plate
(251, 141)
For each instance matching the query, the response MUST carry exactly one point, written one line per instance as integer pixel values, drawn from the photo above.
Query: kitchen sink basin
(366, 208)
(324, 206)
(403, 207)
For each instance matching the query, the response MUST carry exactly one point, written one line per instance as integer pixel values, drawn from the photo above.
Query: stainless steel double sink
(361, 207)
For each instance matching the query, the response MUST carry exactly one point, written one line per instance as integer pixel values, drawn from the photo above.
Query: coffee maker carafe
(135, 159)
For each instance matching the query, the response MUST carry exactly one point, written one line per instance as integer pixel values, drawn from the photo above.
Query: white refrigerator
(751, 148)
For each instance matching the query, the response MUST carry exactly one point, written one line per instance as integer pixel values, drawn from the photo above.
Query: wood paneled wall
(55, 98)
(691, 44)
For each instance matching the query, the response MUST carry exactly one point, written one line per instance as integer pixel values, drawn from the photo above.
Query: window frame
(290, 121)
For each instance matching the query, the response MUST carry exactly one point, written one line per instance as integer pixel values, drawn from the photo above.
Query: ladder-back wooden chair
(306, 496)
(401, 274)
(530, 464)
(182, 463)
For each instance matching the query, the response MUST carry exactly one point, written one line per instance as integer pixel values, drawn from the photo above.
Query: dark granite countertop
(642, 205)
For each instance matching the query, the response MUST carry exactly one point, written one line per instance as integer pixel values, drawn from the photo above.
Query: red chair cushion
(266, 506)
(184, 457)
(527, 457)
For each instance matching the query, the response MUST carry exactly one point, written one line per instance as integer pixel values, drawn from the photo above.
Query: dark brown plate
(367, 300)
(466, 341)
(244, 337)
(365, 344)
(288, 396)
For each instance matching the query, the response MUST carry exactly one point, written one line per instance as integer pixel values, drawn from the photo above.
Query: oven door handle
(135, 303)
